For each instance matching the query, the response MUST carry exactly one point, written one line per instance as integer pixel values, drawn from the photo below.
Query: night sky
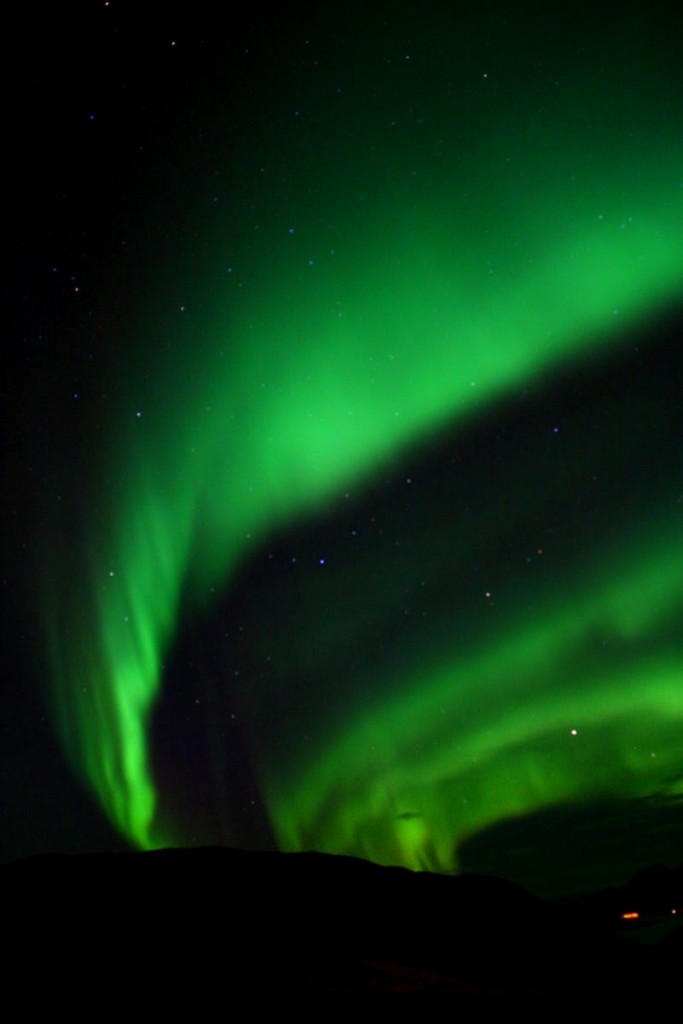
(343, 435)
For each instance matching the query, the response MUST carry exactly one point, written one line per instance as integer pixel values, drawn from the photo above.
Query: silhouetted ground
(185, 930)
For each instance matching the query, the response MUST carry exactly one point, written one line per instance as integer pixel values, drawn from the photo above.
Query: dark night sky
(342, 435)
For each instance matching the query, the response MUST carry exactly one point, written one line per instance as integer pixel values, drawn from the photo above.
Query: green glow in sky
(537, 718)
(453, 233)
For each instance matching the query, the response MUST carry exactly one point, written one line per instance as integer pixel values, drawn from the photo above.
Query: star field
(358, 477)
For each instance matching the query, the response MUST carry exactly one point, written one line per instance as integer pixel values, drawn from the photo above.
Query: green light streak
(486, 738)
(368, 330)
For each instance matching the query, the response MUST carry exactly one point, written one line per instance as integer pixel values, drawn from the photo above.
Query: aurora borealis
(375, 542)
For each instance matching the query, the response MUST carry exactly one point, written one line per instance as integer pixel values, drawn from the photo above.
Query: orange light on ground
(633, 915)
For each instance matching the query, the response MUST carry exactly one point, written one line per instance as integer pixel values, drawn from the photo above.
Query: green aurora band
(369, 311)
